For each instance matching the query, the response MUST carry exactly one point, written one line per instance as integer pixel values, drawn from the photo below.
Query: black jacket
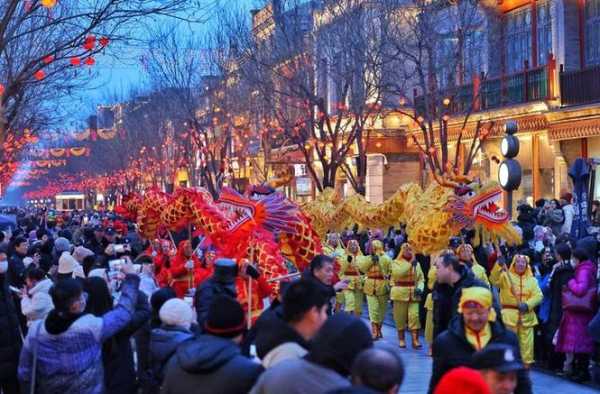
(210, 364)
(561, 277)
(446, 299)
(117, 355)
(204, 295)
(16, 271)
(10, 338)
(272, 331)
(163, 344)
(451, 350)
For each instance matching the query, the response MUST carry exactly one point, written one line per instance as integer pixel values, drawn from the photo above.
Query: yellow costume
(518, 289)
(375, 287)
(407, 283)
(353, 295)
(481, 297)
(338, 254)
(465, 254)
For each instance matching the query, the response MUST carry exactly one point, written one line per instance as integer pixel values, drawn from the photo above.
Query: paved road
(418, 366)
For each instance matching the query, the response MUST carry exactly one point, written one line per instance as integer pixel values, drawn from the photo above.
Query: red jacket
(183, 279)
(260, 290)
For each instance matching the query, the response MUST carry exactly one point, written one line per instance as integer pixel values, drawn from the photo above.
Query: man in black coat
(16, 267)
(452, 277)
(221, 282)
(10, 338)
(474, 328)
(213, 363)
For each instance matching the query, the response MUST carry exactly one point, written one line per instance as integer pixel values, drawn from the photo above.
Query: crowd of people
(87, 306)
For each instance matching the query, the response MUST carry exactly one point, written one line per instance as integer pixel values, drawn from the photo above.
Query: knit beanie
(176, 312)
(62, 245)
(225, 317)
(339, 341)
(66, 263)
(463, 380)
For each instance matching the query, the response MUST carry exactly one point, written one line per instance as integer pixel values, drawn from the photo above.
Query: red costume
(183, 279)
(260, 289)
(161, 265)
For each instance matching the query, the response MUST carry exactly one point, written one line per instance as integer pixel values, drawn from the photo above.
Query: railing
(581, 86)
(525, 86)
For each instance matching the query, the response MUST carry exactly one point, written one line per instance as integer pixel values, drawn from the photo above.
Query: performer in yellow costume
(465, 255)
(519, 295)
(353, 294)
(407, 283)
(377, 267)
(335, 249)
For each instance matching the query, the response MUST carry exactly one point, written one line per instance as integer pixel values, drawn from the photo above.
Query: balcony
(525, 86)
(580, 86)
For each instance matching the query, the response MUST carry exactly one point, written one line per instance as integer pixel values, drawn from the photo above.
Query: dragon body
(432, 216)
(268, 230)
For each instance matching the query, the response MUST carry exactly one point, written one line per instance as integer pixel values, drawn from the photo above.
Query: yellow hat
(479, 295)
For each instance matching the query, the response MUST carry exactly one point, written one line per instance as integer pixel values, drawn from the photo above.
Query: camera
(252, 272)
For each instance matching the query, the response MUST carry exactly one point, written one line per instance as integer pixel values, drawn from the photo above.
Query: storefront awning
(574, 129)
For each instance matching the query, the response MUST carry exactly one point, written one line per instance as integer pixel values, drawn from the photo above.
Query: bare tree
(435, 61)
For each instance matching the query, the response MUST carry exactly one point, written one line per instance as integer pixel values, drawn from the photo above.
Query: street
(418, 371)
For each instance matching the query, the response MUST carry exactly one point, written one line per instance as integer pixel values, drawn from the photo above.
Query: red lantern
(104, 41)
(90, 42)
(1, 89)
(39, 75)
(90, 61)
(75, 61)
(48, 59)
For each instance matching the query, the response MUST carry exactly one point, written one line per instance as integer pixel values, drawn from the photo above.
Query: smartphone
(14, 289)
(115, 265)
(119, 248)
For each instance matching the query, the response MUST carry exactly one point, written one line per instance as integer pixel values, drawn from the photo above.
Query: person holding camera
(377, 268)
(407, 284)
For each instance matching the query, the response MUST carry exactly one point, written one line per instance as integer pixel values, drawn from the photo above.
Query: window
(474, 54)
(592, 32)
(446, 61)
(518, 38)
(544, 32)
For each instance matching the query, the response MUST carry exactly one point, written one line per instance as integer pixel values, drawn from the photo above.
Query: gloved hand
(418, 292)
(414, 263)
(375, 258)
(349, 259)
(523, 307)
(189, 264)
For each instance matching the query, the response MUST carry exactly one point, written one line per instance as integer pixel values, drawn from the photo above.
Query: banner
(580, 175)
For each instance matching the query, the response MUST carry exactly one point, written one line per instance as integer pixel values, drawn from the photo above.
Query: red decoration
(39, 75)
(104, 41)
(90, 42)
(1, 89)
(75, 61)
(90, 61)
(48, 59)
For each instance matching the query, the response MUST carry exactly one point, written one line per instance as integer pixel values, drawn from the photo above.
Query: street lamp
(509, 171)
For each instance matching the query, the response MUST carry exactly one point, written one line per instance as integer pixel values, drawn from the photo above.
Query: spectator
(148, 283)
(322, 272)
(472, 330)
(117, 354)
(36, 302)
(74, 337)
(569, 212)
(596, 213)
(553, 216)
(221, 282)
(451, 278)
(285, 333)
(499, 367)
(378, 369)
(10, 335)
(176, 318)
(80, 253)
(328, 363)
(213, 363)
(68, 267)
(573, 338)
(469, 381)
(16, 266)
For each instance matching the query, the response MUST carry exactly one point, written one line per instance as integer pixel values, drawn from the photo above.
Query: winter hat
(62, 245)
(339, 341)
(463, 380)
(81, 253)
(160, 296)
(66, 263)
(225, 317)
(176, 312)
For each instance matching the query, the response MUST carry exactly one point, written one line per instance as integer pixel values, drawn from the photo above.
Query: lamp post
(509, 171)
